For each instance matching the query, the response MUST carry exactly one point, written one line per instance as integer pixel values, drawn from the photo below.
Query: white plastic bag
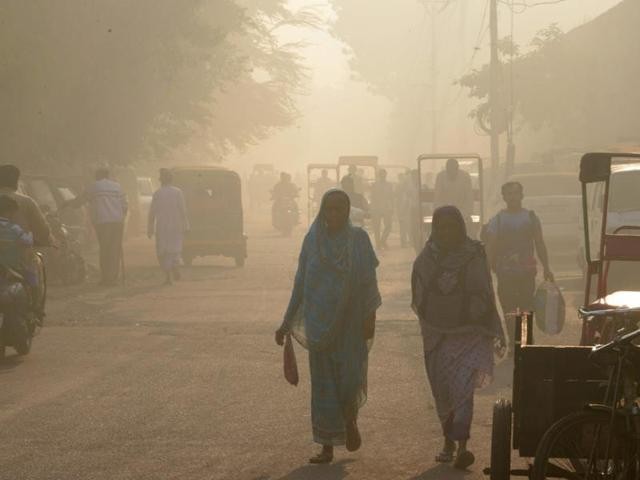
(549, 308)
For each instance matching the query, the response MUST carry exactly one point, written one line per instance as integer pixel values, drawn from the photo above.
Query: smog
(319, 239)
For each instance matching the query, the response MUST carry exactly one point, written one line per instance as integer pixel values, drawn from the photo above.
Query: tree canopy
(94, 81)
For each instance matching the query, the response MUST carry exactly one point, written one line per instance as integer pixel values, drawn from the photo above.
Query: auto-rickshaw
(313, 200)
(611, 237)
(214, 206)
(432, 165)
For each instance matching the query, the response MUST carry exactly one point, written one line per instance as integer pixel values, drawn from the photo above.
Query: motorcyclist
(285, 189)
(30, 218)
(284, 196)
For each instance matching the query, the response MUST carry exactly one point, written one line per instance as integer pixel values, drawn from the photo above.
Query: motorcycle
(285, 214)
(21, 307)
(64, 261)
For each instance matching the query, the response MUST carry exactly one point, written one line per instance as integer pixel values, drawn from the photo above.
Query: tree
(88, 80)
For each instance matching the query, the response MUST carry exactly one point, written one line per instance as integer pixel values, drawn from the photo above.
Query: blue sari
(335, 290)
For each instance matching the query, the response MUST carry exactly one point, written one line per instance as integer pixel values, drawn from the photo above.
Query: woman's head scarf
(448, 211)
(334, 253)
(467, 257)
(338, 280)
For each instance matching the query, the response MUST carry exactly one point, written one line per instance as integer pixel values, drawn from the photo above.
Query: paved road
(153, 382)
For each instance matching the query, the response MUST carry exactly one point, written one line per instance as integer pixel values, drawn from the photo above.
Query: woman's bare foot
(325, 456)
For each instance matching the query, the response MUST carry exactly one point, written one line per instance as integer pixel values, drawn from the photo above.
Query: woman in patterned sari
(332, 313)
(454, 300)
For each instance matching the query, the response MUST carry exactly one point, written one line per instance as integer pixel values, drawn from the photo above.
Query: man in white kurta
(168, 220)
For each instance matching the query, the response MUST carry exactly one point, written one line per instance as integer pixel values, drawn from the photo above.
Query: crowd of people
(24, 228)
(332, 311)
(333, 305)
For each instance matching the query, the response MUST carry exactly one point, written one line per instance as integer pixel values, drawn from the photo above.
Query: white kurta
(168, 220)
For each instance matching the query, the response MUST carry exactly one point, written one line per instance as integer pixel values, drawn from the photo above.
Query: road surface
(154, 382)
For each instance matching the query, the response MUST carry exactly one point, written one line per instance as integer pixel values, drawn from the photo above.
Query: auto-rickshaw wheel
(501, 441)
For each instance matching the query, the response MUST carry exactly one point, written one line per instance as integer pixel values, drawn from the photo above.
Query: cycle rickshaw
(365, 165)
(432, 165)
(551, 382)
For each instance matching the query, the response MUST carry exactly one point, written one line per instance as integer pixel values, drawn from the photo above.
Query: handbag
(290, 363)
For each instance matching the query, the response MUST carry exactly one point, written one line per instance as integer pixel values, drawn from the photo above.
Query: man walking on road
(108, 207)
(168, 220)
(511, 237)
(382, 203)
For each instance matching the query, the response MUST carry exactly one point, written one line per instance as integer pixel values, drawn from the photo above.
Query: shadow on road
(442, 472)
(334, 471)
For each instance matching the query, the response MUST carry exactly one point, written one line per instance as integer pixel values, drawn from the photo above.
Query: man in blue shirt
(513, 237)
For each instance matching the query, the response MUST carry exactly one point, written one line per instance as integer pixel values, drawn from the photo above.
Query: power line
(524, 6)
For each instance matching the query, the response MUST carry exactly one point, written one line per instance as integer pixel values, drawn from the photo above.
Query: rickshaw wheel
(501, 441)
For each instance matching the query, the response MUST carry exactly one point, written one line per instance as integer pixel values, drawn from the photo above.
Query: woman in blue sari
(332, 313)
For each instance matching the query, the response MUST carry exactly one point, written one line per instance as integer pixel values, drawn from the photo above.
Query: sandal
(444, 457)
(322, 458)
(464, 460)
(354, 441)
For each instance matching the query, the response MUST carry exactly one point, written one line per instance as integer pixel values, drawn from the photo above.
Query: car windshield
(624, 192)
(547, 185)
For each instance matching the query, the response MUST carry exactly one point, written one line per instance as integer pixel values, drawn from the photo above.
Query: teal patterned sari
(335, 290)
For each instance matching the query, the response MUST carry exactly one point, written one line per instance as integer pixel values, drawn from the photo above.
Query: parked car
(50, 193)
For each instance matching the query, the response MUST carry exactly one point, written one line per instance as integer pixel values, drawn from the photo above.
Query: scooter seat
(619, 299)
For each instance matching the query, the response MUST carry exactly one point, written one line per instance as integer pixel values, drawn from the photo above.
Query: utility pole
(494, 101)
(434, 81)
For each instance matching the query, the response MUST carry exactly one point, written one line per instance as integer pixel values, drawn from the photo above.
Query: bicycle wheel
(584, 445)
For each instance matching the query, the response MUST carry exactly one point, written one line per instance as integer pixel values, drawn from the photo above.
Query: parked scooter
(64, 261)
(21, 307)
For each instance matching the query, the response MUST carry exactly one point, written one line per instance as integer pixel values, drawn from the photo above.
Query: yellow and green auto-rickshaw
(214, 206)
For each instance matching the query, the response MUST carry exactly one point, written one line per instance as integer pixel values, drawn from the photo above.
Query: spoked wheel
(584, 445)
(501, 441)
